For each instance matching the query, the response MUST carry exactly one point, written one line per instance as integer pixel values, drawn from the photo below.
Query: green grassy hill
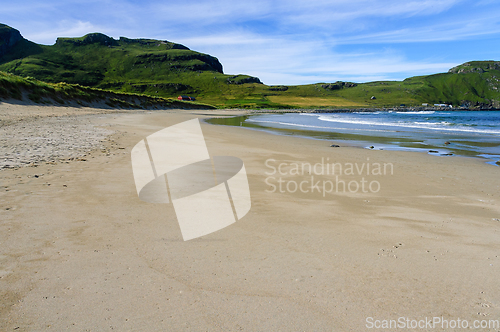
(20, 88)
(165, 69)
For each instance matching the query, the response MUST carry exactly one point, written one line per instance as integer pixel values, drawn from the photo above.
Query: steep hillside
(153, 67)
(474, 83)
(30, 89)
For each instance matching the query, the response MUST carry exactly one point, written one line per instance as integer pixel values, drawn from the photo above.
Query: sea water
(443, 133)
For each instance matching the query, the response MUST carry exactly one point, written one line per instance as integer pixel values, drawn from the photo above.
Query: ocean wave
(287, 124)
(438, 126)
(353, 121)
(417, 112)
(444, 123)
(309, 114)
(311, 126)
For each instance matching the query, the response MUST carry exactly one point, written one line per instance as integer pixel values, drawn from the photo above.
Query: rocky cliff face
(8, 38)
(338, 85)
(209, 62)
(88, 39)
(143, 41)
(475, 67)
(242, 79)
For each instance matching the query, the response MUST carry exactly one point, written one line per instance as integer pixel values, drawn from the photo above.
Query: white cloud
(439, 31)
(225, 39)
(63, 29)
(281, 42)
(349, 15)
(281, 60)
(208, 12)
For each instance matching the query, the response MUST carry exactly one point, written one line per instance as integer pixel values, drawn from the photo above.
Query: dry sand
(80, 252)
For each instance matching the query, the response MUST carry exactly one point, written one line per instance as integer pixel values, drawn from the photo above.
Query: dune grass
(16, 87)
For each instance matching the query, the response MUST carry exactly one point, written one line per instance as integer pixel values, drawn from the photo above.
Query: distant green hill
(475, 83)
(166, 69)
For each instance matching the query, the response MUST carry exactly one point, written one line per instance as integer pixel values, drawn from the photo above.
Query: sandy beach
(80, 252)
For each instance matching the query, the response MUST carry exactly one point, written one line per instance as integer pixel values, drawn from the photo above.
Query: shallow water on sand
(442, 133)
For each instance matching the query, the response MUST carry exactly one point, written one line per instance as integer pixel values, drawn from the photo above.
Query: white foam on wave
(444, 123)
(416, 125)
(438, 126)
(353, 121)
(377, 112)
(308, 114)
(310, 126)
(417, 112)
(287, 124)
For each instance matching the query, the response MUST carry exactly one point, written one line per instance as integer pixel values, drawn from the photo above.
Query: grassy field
(314, 101)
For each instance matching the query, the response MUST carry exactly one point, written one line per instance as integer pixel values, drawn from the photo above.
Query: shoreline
(361, 139)
(81, 251)
(370, 109)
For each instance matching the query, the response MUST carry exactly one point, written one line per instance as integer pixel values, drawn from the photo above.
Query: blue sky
(287, 42)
